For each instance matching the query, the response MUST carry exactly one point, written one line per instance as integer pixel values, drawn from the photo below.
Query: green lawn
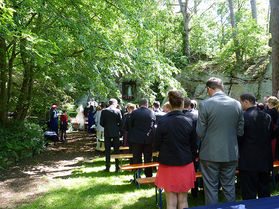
(91, 187)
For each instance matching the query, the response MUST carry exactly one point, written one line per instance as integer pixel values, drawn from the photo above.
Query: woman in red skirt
(175, 140)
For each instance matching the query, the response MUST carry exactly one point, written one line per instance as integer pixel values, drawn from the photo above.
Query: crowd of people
(224, 134)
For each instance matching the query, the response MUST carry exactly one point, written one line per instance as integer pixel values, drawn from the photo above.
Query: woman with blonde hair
(175, 140)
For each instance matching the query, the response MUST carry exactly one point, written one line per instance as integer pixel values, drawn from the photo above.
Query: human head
(113, 102)
(156, 105)
(64, 111)
(247, 101)
(193, 104)
(131, 108)
(187, 103)
(54, 107)
(214, 85)
(103, 105)
(176, 99)
(272, 102)
(167, 107)
(143, 102)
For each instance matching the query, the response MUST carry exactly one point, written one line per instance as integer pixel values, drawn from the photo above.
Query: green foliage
(19, 141)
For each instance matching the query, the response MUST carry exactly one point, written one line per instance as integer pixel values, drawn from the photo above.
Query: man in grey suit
(220, 121)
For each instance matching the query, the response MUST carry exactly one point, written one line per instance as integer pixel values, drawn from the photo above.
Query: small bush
(19, 141)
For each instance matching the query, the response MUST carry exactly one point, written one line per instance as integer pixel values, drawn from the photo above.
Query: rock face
(255, 79)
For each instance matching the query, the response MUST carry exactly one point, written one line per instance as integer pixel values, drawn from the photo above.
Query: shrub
(19, 140)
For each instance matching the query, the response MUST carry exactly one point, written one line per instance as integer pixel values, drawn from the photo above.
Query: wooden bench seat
(127, 156)
(147, 180)
(121, 148)
(138, 166)
(121, 156)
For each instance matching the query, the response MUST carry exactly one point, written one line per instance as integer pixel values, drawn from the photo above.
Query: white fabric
(80, 117)
(97, 120)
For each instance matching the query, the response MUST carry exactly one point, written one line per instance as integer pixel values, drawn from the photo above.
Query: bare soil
(26, 181)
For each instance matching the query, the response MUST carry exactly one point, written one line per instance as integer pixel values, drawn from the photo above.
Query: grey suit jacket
(220, 121)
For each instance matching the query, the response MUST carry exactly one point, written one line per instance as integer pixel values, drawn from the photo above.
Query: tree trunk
(3, 81)
(24, 99)
(274, 27)
(186, 20)
(11, 65)
(236, 44)
(254, 9)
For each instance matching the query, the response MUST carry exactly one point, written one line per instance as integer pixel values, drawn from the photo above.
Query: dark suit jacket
(193, 114)
(254, 145)
(175, 139)
(142, 121)
(111, 121)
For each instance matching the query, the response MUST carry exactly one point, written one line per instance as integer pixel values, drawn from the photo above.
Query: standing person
(140, 134)
(175, 139)
(125, 122)
(272, 102)
(80, 117)
(99, 128)
(220, 121)
(255, 161)
(63, 125)
(91, 120)
(54, 119)
(111, 121)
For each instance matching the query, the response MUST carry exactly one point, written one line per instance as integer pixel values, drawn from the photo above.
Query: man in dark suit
(255, 161)
(140, 134)
(220, 121)
(111, 121)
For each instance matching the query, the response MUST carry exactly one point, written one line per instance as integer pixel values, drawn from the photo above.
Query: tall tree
(254, 9)
(274, 28)
(233, 24)
(186, 21)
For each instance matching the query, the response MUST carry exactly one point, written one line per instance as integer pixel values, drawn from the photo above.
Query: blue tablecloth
(263, 203)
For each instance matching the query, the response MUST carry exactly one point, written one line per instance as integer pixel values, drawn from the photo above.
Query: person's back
(255, 161)
(220, 121)
(256, 138)
(219, 140)
(141, 123)
(111, 121)
(140, 134)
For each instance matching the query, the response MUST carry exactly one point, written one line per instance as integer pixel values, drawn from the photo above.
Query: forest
(57, 51)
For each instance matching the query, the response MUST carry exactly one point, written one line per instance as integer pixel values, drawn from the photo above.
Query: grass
(91, 187)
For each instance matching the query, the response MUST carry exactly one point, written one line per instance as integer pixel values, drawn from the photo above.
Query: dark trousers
(146, 150)
(253, 183)
(116, 143)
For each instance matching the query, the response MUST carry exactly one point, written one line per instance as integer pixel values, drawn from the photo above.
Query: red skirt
(176, 178)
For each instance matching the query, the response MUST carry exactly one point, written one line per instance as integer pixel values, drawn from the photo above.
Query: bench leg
(273, 179)
(156, 195)
(160, 198)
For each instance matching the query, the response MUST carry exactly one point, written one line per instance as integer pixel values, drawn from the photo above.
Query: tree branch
(31, 19)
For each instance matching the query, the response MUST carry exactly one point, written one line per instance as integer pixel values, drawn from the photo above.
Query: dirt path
(26, 181)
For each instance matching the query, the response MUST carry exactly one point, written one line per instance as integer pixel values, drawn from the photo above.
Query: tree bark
(254, 9)
(236, 44)
(24, 99)
(3, 81)
(11, 65)
(274, 28)
(186, 20)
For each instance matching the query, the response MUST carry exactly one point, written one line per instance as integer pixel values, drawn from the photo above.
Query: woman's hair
(176, 98)
(167, 106)
(272, 100)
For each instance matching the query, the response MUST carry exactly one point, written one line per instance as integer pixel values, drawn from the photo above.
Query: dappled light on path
(26, 181)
